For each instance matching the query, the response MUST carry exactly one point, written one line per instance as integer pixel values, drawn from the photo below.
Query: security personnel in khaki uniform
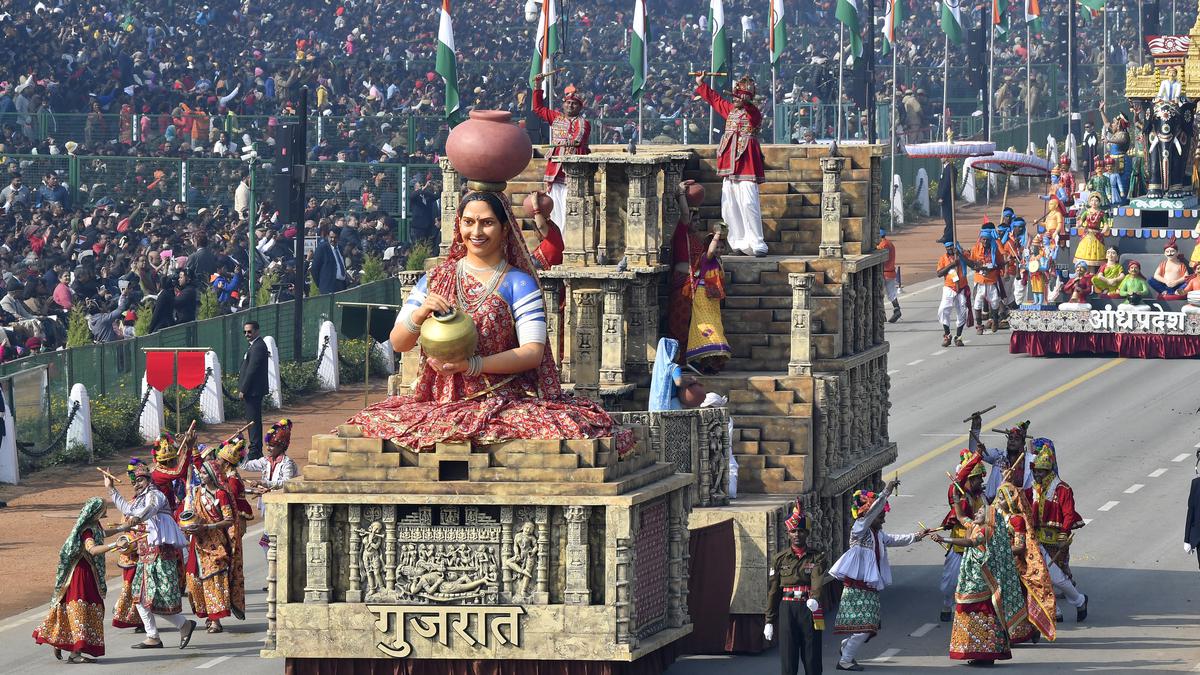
(796, 576)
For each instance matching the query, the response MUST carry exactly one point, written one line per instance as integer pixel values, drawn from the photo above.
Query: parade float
(579, 554)
(1148, 227)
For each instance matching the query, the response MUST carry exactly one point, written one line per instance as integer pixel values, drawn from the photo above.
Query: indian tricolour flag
(952, 21)
(895, 14)
(1096, 6)
(847, 13)
(720, 39)
(445, 63)
(545, 45)
(778, 32)
(1033, 15)
(1000, 16)
(638, 56)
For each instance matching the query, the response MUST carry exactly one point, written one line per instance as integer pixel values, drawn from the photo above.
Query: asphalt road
(1125, 433)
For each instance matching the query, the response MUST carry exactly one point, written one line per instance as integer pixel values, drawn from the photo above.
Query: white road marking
(893, 372)
(217, 661)
(1196, 445)
(1156, 473)
(19, 622)
(1087, 521)
(1134, 488)
(1108, 506)
(884, 656)
(1180, 458)
(939, 352)
(928, 286)
(913, 363)
(923, 630)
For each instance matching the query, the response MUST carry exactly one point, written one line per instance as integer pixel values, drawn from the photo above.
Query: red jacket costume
(1055, 512)
(966, 505)
(568, 135)
(739, 157)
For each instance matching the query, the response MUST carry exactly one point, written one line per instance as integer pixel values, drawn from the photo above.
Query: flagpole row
(841, 77)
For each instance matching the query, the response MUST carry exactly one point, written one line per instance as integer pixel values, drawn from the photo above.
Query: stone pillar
(677, 583)
(316, 591)
(577, 591)
(585, 357)
(846, 339)
(542, 520)
(451, 195)
(389, 547)
(881, 309)
(272, 588)
(354, 584)
(672, 175)
(874, 219)
(623, 523)
(801, 359)
(506, 545)
(831, 206)
(642, 327)
(552, 289)
(862, 313)
(612, 347)
(642, 234)
(579, 232)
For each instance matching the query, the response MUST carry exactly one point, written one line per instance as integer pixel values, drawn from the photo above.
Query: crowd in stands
(211, 77)
(121, 262)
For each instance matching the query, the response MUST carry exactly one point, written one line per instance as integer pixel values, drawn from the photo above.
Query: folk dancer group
(180, 534)
(1007, 556)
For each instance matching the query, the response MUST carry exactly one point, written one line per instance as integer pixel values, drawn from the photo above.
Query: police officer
(795, 586)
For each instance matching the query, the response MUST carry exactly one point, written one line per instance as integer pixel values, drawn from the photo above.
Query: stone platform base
(652, 664)
(758, 536)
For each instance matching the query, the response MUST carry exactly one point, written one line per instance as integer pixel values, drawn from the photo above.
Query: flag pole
(1104, 54)
(946, 86)
(774, 103)
(1028, 87)
(841, 76)
(892, 123)
(991, 85)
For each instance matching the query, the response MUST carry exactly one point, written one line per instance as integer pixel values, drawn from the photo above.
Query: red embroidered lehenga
(487, 408)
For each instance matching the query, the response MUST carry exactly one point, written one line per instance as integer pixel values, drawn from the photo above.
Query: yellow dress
(1091, 246)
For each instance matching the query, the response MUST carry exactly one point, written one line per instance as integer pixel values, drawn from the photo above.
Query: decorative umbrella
(1008, 164)
(950, 150)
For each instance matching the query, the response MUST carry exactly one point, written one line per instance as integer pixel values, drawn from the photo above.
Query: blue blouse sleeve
(416, 298)
(528, 306)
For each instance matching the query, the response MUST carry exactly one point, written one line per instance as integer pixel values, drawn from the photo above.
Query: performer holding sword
(739, 163)
(570, 134)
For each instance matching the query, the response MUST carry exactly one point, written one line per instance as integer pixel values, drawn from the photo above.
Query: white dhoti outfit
(741, 212)
(558, 192)
(891, 289)
(988, 293)
(1061, 583)
(955, 303)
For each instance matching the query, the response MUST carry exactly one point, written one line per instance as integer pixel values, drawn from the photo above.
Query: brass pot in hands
(449, 337)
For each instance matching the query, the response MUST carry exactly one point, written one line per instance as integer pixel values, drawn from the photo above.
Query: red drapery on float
(191, 369)
(1131, 345)
(160, 369)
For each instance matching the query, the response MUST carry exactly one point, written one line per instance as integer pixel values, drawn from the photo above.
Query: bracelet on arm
(409, 324)
(475, 365)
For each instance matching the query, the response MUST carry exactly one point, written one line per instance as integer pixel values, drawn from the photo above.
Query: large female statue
(510, 388)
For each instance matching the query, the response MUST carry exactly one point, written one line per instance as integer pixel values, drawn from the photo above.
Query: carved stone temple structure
(561, 550)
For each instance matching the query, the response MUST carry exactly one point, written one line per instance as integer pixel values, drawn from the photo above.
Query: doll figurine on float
(1078, 288)
(487, 374)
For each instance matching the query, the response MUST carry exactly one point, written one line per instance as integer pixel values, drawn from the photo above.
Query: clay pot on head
(694, 192)
(449, 337)
(545, 203)
(488, 147)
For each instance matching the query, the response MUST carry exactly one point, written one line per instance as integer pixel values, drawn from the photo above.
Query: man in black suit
(328, 266)
(946, 187)
(253, 385)
(1191, 527)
